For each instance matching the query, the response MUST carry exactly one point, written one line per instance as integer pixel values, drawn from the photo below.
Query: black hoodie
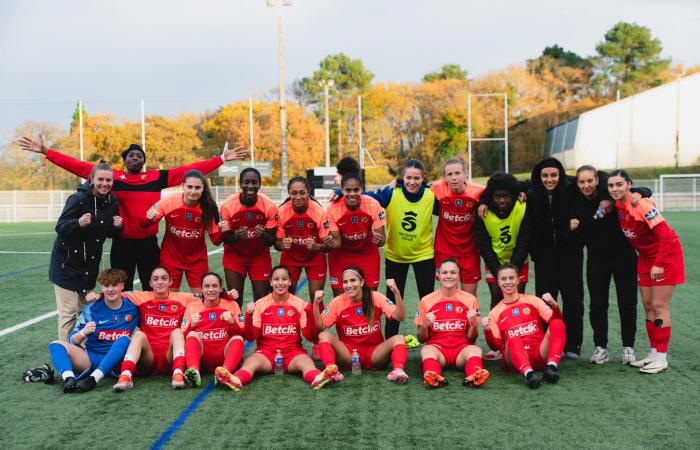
(76, 255)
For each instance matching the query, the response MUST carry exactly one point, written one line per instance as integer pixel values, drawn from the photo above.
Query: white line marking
(9, 252)
(38, 319)
(27, 234)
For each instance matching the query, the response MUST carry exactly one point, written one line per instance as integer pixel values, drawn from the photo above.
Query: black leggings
(130, 254)
(425, 280)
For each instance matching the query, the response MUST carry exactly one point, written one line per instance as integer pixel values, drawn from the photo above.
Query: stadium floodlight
(469, 127)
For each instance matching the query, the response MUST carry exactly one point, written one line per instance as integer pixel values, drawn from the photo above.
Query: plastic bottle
(355, 359)
(279, 363)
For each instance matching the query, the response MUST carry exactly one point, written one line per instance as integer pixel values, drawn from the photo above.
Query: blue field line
(17, 272)
(168, 434)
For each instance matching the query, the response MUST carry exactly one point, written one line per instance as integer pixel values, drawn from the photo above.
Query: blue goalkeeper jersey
(110, 324)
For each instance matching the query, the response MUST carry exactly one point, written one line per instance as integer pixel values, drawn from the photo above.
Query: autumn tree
(564, 73)
(448, 72)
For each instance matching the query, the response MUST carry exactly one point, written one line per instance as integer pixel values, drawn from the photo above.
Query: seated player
(515, 327)
(213, 330)
(277, 322)
(158, 348)
(447, 322)
(104, 328)
(356, 314)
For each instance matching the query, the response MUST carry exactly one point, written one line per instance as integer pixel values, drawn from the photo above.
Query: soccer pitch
(608, 406)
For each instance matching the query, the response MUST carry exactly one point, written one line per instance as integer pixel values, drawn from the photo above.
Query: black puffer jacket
(76, 255)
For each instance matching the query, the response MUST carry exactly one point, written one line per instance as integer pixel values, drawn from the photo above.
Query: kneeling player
(356, 314)
(104, 328)
(277, 322)
(448, 323)
(158, 348)
(515, 328)
(213, 329)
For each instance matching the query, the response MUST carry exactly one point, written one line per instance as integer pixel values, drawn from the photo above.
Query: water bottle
(279, 363)
(355, 360)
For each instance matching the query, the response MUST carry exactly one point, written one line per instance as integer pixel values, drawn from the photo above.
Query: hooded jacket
(549, 212)
(76, 254)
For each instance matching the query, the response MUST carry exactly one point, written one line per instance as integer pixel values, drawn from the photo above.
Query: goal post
(678, 192)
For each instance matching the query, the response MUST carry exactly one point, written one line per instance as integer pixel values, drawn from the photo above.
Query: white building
(658, 127)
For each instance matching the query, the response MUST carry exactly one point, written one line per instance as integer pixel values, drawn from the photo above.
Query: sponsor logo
(364, 219)
(522, 330)
(651, 214)
(620, 215)
(325, 311)
(290, 312)
(162, 322)
(128, 318)
(505, 236)
(515, 312)
(408, 223)
(102, 322)
(215, 335)
(188, 216)
(300, 224)
(185, 233)
(280, 330)
(629, 233)
(111, 335)
(212, 316)
(161, 307)
(241, 317)
(449, 325)
(355, 236)
(526, 310)
(173, 216)
(268, 313)
(382, 214)
(449, 307)
(362, 330)
(459, 310)
(354, 220)
(115, 318)
(358, 311)
(280, 312)
(326, 225)
(467, 217)
(458, 203)
(249, 216)
(334, 280)
(173, 308)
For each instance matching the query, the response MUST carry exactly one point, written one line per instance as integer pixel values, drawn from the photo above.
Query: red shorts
(533, 353)
(257, 269)
(522, 275)
(315, 268)
(674, 273)
(161, 365)
(365, 355)
(194, 274)
(469, 266)
(338, 260)
(450, 354)
(288, 355)
(212, 357)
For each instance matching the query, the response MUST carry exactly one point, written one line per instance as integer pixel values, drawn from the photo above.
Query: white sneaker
(628, 356)
(493, 355)
(600, 356)
(655, 366)
(644, 361)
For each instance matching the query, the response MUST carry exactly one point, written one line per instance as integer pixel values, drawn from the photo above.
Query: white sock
(176, 371)
(552, 363)
(661, 357)
(127, 373)
(527, 372)
(98, 375)
(67, 374)
(179, 353)
(653, 353)
(128, 357)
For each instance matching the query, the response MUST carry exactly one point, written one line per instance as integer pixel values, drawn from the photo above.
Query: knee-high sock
(243, 375)
(557, 340)
(193, 353)
(432, 364)
(518, 356)
(233, 355)
(114, 355)
(310, 375)
(59, 356)
(129, 365)
(399, 356)
(651, 333)
(473, 364)
(325, 350)
(662, 337)
(179, 363)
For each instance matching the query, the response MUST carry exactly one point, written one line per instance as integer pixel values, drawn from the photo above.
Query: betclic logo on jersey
(361, 330)
(111, 335)
(449, 325)
(524, 329)
(280, 330)
(408, 223)
(162, 322)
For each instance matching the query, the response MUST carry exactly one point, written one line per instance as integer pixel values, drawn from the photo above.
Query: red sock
(233, 355)
(310, 375)
(519, 359)
(399, 356)
(193, 353)
(473, 364)
(325, 350)
(128, 365)
(557, 340)
(179, 363)
(651, 333)
(432, 364)
(663, 336)
(244, 376)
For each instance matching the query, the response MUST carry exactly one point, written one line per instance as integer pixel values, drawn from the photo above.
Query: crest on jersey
(651, 214)
(115, 318)
(290, 312)
(173, 308)
(241, 317)
(325, 311)
(364, 219)
(280, 312)
(458, 203)
(526, 310)
(300, 224)
(516, 312)
(188, 216)
(358, 311)
(260, 217)
(212, 316)
(309, 225)
(449, 307)
(620, 214)
(161, 307)
(197, 219)
(354, 220)
(249, 216)
(459, 310)
(128, 317)
(326, 225)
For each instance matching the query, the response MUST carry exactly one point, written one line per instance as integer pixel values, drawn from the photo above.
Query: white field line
(27, 234)
(38, 319)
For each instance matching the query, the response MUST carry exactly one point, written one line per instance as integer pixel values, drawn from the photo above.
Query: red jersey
(638, 223)
(263, 212)
(450, 327)
(313, 223)
(521, 319)
(280, 325)
(136, 192)
(214, 329)
(356, 226)
(160, 316)
(455, 229)
(184, 244)
(353, 328)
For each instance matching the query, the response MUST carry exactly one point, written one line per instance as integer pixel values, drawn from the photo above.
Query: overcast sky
(197, 55)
